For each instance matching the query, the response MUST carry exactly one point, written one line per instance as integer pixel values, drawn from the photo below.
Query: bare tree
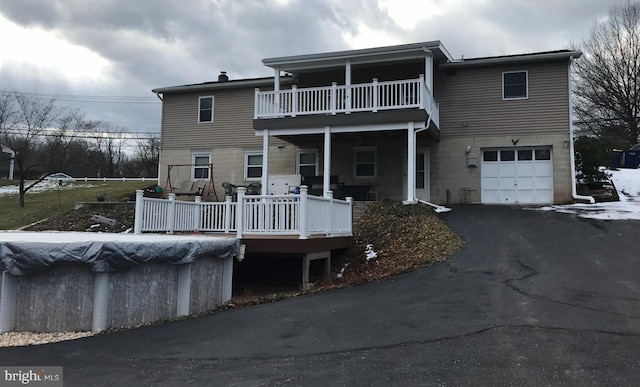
(106, 149)
(26, 119)
(144, 162)
(607, 85)
(62, 144)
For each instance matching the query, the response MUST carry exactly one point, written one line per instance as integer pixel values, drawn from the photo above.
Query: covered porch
(363, 95)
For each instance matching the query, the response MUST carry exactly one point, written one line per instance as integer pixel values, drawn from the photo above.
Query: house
(6, 162)
(405, 122)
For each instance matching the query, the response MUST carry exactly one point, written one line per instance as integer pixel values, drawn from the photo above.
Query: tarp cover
(25, 253)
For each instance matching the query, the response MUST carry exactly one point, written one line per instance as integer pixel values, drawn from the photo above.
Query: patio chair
(254, 189)
(229, 189)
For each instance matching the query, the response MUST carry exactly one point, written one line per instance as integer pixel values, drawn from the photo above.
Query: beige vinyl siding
(471, 101)
(232, 124)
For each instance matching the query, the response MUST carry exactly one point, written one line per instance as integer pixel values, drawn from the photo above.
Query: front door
(422, 174)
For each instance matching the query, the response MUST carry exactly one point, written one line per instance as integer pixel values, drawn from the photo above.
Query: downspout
(574, 193)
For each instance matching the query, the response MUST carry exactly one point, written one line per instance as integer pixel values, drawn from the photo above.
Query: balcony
(345, 99)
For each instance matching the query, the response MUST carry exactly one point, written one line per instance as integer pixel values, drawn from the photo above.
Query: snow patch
(370, 253)
(627, 184)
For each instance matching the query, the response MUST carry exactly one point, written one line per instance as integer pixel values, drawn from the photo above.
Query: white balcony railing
(336, 99)
(300, 215)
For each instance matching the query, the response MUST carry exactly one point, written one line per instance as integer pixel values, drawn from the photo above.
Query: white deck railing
(300, 215)
(334, 99)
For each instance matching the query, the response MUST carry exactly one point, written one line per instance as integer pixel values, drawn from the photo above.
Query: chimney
(223, 77)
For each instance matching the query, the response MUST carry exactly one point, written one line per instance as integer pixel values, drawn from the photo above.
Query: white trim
(526, 72)
(200, 108)
(246, 166)
(375, 161)
(205, 166)
(298, 164)
(342, 129)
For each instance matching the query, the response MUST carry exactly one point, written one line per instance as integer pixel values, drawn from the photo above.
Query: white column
(347, 81)
(276, 88)
(411, 163)
(326, 182)
(276, 79)
(265, 162)
(428, 71)
(139, 213)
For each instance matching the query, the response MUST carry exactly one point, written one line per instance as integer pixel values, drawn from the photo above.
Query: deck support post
(306, 263)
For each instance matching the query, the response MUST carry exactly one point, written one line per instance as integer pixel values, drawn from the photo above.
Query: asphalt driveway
(533, 298)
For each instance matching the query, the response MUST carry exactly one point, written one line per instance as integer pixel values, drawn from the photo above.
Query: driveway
(533, 298)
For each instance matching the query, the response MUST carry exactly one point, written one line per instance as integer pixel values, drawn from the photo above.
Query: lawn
(41, 205)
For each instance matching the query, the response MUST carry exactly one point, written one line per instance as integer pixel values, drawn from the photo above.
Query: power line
(144, 100)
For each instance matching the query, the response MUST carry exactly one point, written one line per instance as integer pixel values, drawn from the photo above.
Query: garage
(517, 175)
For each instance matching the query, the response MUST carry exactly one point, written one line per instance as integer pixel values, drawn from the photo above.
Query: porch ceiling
(355, 138)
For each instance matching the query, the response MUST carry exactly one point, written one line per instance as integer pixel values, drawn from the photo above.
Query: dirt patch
(81, 220)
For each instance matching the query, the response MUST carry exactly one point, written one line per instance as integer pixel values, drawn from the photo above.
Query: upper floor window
(307, 162)
(205, 109)
(515, 85)
(200, 167)
(364, 162)
(252, 165)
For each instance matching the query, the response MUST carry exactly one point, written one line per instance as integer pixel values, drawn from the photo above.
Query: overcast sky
(105, 56)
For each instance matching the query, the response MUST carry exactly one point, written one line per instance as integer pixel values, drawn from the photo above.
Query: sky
(105, 56)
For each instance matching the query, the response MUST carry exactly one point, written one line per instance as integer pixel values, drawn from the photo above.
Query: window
(307, 162)
(364, 162)
(514, 85)
(490, 155)
(205, 109)
(252, 165)
(507, 155)
(200, 168)
(543, 154)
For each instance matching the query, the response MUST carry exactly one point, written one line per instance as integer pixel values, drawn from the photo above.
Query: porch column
(428, 70)
(265, 162)
(276, 89)
(326, 182)
(411, 163)
(347, 82)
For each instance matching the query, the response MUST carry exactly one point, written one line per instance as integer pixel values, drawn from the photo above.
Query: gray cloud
(154, 43)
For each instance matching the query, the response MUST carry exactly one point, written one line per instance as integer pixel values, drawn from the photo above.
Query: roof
(218, 85)
(517, 58)
(399, 53)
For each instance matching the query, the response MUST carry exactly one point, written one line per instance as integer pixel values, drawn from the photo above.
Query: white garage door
(517, 175)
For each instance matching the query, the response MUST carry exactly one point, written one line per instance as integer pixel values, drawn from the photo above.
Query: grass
(41, 205)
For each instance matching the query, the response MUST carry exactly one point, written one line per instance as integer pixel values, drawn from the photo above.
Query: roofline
(348, 54)
(508, 59)
(233, 84)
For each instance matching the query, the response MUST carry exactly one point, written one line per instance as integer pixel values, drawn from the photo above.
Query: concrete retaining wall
(73, 298)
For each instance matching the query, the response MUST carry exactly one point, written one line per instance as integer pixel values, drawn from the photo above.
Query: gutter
(572, 152)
